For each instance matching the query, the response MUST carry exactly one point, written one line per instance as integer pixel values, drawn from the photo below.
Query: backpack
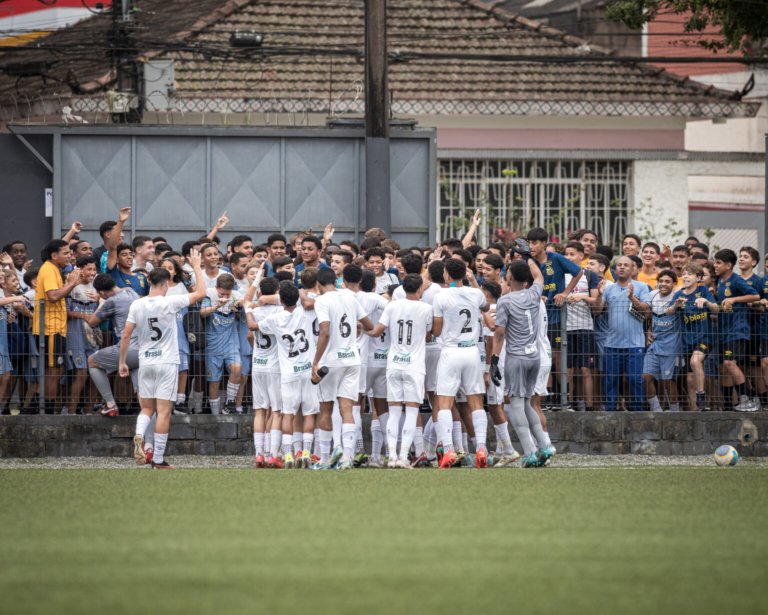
(194, 328)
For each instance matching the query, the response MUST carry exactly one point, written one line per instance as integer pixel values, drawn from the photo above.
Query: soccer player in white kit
(292, 328)
(456, 313)
(154, 318)
(409, 322)
(338, 312)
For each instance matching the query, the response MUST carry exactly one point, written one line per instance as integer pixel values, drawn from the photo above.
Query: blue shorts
(183, 361)
(661, 367)
(245, 361)
(78, 359)
(711, 367)
(215, 363)
(5, 364)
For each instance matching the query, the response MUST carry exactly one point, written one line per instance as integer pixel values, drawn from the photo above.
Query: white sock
(430, 433)
(480, 423)
(409, 431)
(142, 422)
(65, 410)
(239, 409)
(358, 428)
(287, 443)
(258, 443)
(418, 438)
(181, 398)
(655, 405)
(445, 427)
(384, 420)
(376, 439)
(348, 440)
(317, 442)
(464, 443)
(307, 440)
(534, 443)
(674, 407)
(267, 442)
(456, 437)
(161, 439)
(325, 445)
(215, 405)
(336, 419)
(274, 442)
(547, 441)
(392, 430)
(502, 433)
(232, 389)
(297, 442)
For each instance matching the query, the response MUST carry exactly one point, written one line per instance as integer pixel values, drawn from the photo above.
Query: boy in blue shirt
(695, 303)
(733, 295)
(120, 260)
(748, 260)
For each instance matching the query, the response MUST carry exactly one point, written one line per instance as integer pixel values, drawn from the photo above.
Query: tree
(743, 24)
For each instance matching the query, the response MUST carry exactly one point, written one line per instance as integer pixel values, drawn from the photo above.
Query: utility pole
(125, 61)
(378, 207)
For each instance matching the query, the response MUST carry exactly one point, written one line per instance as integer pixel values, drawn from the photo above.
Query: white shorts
(377, 382)
(266, 391)
(340, 382)
(541, 380)
(432, 357)
(460, 367)
(404, 387)
(362, 387)
(159, 381)
(495, 393)
(300, 394)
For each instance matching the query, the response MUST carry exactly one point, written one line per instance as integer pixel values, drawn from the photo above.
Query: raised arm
(220, 224)
(467, 241)
(114, 241)
(73, 230)
(200, 291)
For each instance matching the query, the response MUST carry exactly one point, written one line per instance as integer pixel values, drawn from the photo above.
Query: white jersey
(542, 341)
(460, 310)
(579, 314)
(155, 322)
(428, 297)
(211, 282)
(372, 304)
(265, 359)
(408, 323)
(294, 344)
(384, 281)
(378, 347)
(341, 310)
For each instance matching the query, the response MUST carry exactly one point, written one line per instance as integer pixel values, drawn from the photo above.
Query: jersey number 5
(157, 334)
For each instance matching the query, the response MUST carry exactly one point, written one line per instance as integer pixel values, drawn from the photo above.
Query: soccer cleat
(496, 456)
(315, 458)
(344, 465)
(391, 464)
(288, 464)
(375, 462)
(163, 465)
(230, 407)
(401, 464)
(449, 458)
(181, 408)
(336, 455)
(320, 466)
(275, 463)
(544, 455)
(138, 450)
(306, 460)
(260, 463)
(506, 461)
(149, 453)
(109, 410)
(439, 451)
(361, 459)
(433, 463)
(420, 462)
(461, 455)
(481, 459)
(530, 461)
(467, 462)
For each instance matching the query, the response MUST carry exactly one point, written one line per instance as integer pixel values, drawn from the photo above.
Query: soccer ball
(726, 456)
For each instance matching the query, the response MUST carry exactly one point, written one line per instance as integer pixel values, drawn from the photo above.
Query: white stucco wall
(664, 185)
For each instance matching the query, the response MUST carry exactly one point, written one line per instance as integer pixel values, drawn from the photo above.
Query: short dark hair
(727, 256)
(160, 239)
(453, 244)
(682, 248)
(226, 281)
(327, 277)
(106, 227)
(403, 252)
(284, 276)
(354, 248)
(312, 239)
(698, 256)
(600, 258)
(703, 247)
(346, 255)
(633, 236)
(140, 240)
(519, 271)
(159, 275)
(474, 250)
(103, 282)
(54, 245)
(537, 234)
(500, 247)
(208, 246)
(289, 294)
(368, 243)
(30, 275)
(654, 245)
(589, 232)
(308, 277)
(412, 263)
(669, 273)
(262, 247)
(392, 288)
(636, 259)
(276, 237)
(464, 255)
(269, 286)
(84, 261)
(436, 271)
(239, 240)
(606, 251)
(163, 247)
(281, 261)
(493, 288)
(575, 245)
(122, 247)
(494, 260)
(692, 237)
(374, 252)
(455, 268)
(412, 283)
(368, 281)
(236, 256)
(187, 246)
(753, 254)
(352, 274)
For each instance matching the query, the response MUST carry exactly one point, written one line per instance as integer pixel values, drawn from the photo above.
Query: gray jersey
(518, 312)
(116, 309)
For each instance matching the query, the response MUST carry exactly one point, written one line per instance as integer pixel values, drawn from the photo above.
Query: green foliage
(742, 24)
(648, 219)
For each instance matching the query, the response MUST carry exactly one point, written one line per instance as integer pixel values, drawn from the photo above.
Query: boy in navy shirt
(748, 260)
(120, 260)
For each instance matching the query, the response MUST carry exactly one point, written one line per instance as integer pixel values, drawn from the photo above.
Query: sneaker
(149, 453)
(260, 463)
(507, 461)
(288, 464)
(138, 450)
(544, 455)
(306, 460)
(449, 458)
(315, 459)
(420, 462)
(229, 407)
(181, 408)
(745, 405)
(163, 465)
(495, 457)
(336, 456)
(374, 462)
(403, 465)
(109, 410)
(345, 465)
(275, 463)
(701, 404)
(391, 464)
(361, 459)
(530, 461)
(481, 459)
(320, 466)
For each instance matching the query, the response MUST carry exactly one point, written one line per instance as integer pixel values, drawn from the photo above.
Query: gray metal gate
(179, 180)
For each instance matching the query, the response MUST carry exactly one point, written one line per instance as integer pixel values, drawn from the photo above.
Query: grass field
(619, 540)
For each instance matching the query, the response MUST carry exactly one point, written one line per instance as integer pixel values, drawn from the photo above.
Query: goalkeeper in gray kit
(517, 323)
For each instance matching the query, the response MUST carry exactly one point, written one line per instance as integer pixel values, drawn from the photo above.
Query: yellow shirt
(49, 278)
(648, 279)
(608, 275)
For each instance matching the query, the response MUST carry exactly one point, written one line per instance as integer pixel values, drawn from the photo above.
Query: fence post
(41, 358)
(564, 356)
